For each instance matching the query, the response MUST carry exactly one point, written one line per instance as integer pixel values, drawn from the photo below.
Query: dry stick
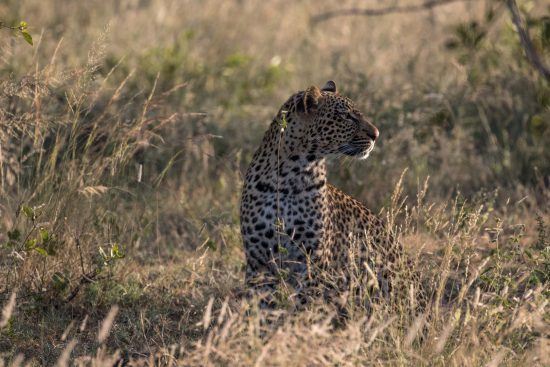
(526, 42)
(14, 28)
(426, 5)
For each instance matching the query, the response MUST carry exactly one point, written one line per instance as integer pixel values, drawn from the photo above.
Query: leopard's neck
(279, 165)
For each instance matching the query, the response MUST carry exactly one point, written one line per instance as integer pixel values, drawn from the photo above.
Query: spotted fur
(293, 223)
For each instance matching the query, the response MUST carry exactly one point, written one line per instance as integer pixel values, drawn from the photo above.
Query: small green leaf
(41, 251)
(282, 250)
(29, 212)
(545, 32)
(211, 245)
(44, 235)
(538, 125)
(30, 244)
(60, 281)
(457, 315)
(14, 235)
(27, 37)
(23, 25)
(116, 251)
(284, 122)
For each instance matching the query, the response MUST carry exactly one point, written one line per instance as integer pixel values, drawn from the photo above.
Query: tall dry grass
(123, 135)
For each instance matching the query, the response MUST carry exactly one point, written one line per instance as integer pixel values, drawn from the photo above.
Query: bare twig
(526, 42)
(15, 28)
(426, 5)
(85, 279)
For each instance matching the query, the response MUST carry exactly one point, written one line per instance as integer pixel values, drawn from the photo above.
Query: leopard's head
(330, 124)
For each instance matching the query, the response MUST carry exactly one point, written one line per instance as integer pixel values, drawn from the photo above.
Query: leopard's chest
(287, 228)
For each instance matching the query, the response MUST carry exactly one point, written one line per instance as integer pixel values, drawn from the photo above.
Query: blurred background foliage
(450, 89)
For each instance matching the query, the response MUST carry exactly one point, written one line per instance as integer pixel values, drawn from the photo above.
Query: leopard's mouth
(356, 148)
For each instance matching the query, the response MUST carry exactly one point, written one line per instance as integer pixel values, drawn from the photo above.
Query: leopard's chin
(364, 155)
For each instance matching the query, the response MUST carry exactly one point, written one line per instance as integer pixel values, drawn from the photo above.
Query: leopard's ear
(329, 86)
(310, 100)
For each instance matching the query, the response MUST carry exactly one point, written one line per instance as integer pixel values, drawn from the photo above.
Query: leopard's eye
(351, 117)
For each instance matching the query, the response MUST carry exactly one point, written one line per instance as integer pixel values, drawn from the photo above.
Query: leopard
(296, 226)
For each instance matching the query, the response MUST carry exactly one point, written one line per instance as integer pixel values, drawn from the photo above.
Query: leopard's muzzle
(358, 147)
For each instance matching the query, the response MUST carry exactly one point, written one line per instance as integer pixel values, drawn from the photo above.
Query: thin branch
(16, 28)
(526, 42)
(426, 5)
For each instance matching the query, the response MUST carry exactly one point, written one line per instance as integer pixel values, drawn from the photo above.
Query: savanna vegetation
(125, 131)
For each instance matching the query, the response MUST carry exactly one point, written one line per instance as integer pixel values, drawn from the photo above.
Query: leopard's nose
(373, 133)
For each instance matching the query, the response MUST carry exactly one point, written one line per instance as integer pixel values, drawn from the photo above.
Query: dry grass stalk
(63, 360)
(8, 310)
(107, 324)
